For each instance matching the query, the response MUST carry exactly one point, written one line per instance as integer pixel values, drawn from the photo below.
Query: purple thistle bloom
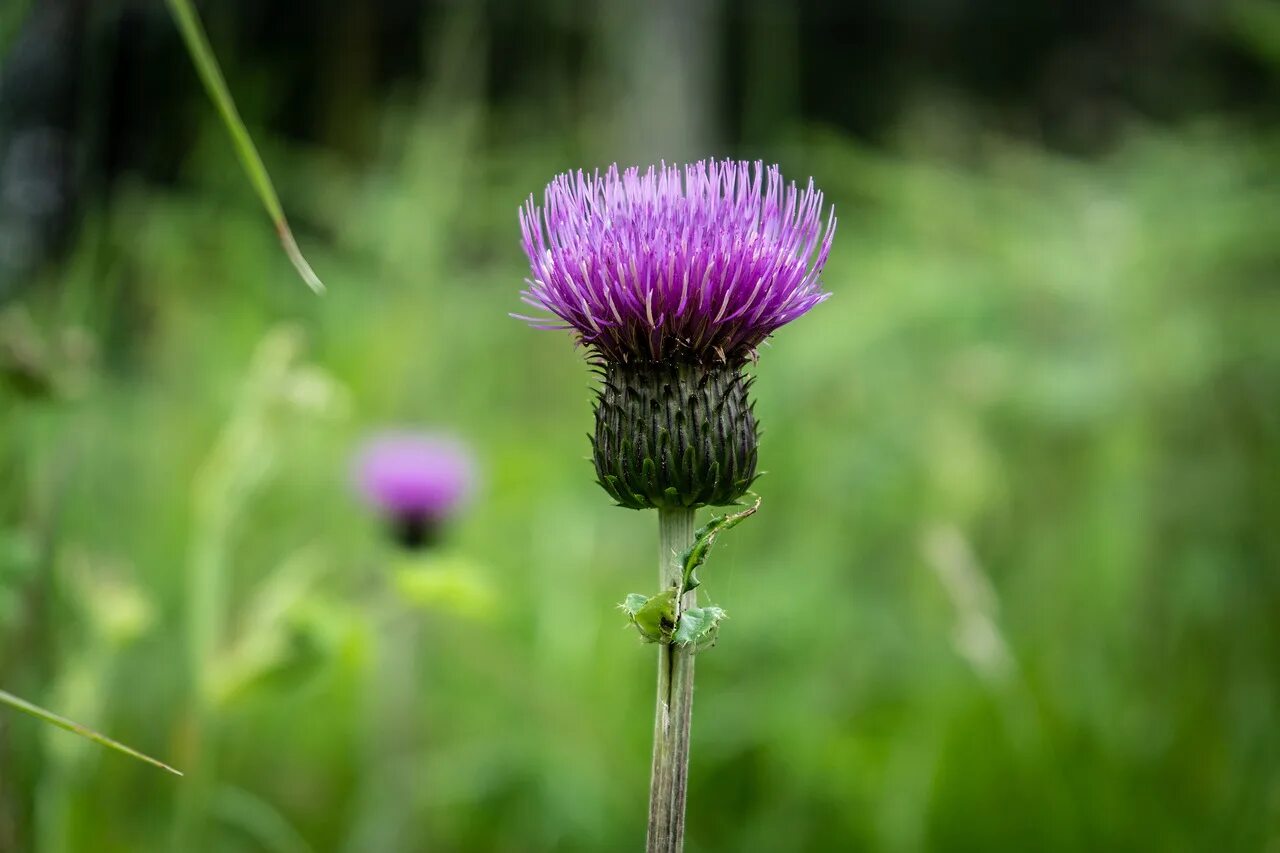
(417, 480)
(697, 264)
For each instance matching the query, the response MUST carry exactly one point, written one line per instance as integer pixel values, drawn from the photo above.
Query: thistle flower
(417, 481)
(672, 279)
(650, 267)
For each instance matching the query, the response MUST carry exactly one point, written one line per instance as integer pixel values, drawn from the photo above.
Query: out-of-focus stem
(672, 714)
(387, 818)
(204, 612)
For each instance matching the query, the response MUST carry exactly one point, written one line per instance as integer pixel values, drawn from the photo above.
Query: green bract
(676, 434)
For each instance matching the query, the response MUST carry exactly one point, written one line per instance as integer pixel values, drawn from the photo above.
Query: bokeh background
(1015, 584)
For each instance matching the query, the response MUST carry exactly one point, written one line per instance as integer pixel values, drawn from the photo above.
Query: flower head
(695, 264)
(417, 480)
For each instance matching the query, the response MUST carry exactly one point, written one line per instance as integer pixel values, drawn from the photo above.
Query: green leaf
(207, 66)
(653, 617)
(698, 626)
(39, 713)
(448, 583)
(705, 538)
(632, 604)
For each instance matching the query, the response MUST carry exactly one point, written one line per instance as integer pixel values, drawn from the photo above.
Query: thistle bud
(674, 435)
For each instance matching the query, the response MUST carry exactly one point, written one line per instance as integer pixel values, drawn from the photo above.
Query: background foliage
(1014, 584)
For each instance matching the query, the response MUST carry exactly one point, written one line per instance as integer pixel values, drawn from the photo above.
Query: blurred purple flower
(417, 480)
(702, 263)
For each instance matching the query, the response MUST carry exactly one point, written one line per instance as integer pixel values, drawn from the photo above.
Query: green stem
(204, 608)
(393, 781)
(672, 715)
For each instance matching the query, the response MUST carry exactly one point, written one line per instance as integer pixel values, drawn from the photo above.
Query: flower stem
(675, 698)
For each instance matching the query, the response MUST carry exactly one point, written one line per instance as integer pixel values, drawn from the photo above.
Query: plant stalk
(672, 715)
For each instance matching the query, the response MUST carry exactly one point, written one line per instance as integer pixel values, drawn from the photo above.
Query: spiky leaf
(653, 617)
(705, 538)
(698, 626)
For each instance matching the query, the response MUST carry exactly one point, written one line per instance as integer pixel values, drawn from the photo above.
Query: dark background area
(110, 80)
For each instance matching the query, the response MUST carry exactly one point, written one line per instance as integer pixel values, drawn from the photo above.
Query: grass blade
(207, 67)
(39, 713)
